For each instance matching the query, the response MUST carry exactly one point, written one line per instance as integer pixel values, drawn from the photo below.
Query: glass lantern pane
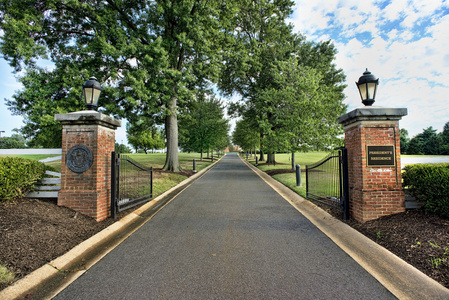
(362, 88)
(88, 95)
(371, 89)
(96, 95)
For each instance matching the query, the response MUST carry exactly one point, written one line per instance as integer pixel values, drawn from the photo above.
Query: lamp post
(367, 86)
(92, 90)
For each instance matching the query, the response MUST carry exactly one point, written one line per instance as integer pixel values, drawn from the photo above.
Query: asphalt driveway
(228, 236)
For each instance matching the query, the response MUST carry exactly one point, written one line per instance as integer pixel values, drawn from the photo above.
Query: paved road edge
(50, 279)
(399, 277)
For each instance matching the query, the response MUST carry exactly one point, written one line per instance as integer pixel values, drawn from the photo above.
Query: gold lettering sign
(378, 156)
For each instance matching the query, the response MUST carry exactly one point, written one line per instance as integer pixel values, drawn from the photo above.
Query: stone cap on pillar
(88, 117)
(372, 114)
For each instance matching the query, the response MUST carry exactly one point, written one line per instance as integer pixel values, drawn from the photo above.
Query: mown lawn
(163, 181)
(283, 161)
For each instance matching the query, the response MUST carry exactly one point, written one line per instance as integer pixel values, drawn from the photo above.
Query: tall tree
(150, 55)
(404, 140)
(265, 42)
(144, 135)
(204, 127)
(262, 37)
(244, 135)
(300, 110)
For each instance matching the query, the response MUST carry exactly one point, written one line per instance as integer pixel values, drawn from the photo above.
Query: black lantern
(367, 86)
(92, 90)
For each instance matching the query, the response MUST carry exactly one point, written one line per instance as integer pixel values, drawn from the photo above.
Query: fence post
(194, 165)
(293, 161)
(298, 175)
(151, 187)
(344, 154)
(113, 185)
(307, 181)
(257, 160)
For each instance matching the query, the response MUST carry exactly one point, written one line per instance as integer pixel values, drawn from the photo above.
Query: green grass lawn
(164, 181)
(157, 160)
(283, 161)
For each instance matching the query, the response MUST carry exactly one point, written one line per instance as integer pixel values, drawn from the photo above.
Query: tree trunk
(293, 160)
(262, 157)
(171, 128)
(271, 158)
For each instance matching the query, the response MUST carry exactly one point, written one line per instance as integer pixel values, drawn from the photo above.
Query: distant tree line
(15, 141)
(429, 142)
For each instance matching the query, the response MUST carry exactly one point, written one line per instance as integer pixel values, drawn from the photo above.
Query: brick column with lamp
(88, 138)
(374, 155)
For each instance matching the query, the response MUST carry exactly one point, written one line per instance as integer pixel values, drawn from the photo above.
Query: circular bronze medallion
(79, 158)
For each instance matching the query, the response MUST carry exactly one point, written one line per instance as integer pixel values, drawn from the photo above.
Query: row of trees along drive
(153, 58)
(292, 92)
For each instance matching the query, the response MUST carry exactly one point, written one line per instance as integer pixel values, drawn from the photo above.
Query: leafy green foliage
(428, 142)
(244, 135)
(429, 183)
(404, 139)
(204, 127)
(279, 75)
(150, 56)
(15, 141)
(143, 135)
(121, 148)
(17, 176)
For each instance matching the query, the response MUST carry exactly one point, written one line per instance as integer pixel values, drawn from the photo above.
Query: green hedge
(17, 176)
(429, 183)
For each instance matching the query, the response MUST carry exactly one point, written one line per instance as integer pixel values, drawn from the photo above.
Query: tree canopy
(204, 128)
(428, 142)
(290, 88)
(151, 56)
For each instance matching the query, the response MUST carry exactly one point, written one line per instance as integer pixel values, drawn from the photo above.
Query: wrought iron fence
(132, 183)
(327, 181)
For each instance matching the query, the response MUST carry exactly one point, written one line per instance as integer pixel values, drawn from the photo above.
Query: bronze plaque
(79, 159)
(379, 156)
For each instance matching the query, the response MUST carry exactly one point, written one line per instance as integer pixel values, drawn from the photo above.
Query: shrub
(429, 183)
(17, 176)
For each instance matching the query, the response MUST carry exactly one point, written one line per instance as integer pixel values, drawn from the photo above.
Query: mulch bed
(416, 237)
(34, 232)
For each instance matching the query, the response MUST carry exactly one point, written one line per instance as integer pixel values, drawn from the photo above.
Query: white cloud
(410, 59)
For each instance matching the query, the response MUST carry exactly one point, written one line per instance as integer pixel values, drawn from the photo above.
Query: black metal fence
(327, 181)
(132, 184)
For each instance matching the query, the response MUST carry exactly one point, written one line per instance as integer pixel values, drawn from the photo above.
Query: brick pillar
(88, 138)
(374, 161)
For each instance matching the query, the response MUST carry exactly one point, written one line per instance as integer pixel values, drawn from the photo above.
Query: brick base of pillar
(87, 191)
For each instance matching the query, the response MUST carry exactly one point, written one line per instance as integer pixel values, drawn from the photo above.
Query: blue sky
(403, 42)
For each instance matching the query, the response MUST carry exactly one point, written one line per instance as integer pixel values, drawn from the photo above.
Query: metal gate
(131, 183)
(327, 181)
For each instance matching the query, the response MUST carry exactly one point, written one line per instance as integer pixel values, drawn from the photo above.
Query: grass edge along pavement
(399, 277)
(47, 281)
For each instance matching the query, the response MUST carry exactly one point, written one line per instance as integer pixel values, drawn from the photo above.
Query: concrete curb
(399, 277)
(50, 279)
